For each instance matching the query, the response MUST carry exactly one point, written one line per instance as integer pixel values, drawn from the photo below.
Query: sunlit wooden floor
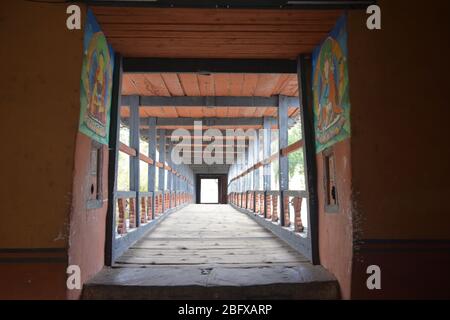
(211, 252)
(209, 235)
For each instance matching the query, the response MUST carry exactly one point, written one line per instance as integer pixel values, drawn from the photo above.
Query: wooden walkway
(209, 235)
(211, 252)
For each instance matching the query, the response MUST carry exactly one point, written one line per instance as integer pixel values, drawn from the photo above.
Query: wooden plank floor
(215, 235)
(211, 252)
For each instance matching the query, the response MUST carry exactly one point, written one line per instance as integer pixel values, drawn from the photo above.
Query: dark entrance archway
(222, 183)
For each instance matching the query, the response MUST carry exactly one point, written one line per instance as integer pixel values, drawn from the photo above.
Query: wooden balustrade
(261, 203)
(275, 208)
(287, 218)
(275, 205)
(143, 210)
(167, 200)
(126, 212)
(121, 222)
(266, 203)
(132, 223)
(149, 208)
(298, 224)
(127, 205)
(257, 196)
(269, 207)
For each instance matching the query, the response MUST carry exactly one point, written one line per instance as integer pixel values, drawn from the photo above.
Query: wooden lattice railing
(151, 207)
(267, 205)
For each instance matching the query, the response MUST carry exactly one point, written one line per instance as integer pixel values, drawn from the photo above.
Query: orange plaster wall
(400, 154)
(39, 88)
(335, 229)
(399, 81)
(87, 227)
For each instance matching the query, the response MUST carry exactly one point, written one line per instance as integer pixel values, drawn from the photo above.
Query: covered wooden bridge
(225, 149)
(238, 130)
(212, 159)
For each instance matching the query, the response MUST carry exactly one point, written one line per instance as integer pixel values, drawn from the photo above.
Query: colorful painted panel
(96, 82)
(331, 88)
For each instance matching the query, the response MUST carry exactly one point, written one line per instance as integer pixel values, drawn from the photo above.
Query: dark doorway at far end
(222, 181)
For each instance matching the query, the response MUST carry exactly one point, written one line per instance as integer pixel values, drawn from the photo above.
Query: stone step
(303, 281)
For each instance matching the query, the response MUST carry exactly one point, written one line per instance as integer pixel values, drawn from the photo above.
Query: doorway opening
(209, 191)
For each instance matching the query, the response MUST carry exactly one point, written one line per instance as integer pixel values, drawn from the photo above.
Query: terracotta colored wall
(335, 229)
(41, 65)
(87, 227)
(400, 155)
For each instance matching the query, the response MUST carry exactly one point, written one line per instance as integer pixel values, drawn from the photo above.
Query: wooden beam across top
(238, 4)
(209, 101)
(208, 66)
(209, 122)
(218, 123)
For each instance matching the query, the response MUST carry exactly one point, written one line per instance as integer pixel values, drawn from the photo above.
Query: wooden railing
(126, 209)
(132, 153)
(151, 207)
(151, 204)
(267, 205)
(284, 152)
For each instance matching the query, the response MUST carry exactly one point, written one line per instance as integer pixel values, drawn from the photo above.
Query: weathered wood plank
(209, 235)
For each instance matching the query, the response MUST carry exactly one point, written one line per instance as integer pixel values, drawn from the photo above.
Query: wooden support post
(256, 159)
(283, 159)
(169, 175)
(161, 171)
(134, 161)
(245, 199)
(304, 72)
(256, 184)
(152, 155)
(113, 161)
(267, 135)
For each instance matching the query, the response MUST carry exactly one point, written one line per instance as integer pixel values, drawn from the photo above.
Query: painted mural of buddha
(97, 94)
(329, 109)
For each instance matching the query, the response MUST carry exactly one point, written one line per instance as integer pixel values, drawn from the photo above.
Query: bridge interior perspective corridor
(226, 149)
(233, 139)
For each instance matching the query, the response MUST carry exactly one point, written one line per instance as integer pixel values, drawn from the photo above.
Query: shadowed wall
(40, 83)
(400, 154)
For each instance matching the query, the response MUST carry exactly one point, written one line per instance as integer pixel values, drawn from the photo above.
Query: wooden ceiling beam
(238, 4)
(209, 101)
(208, 66)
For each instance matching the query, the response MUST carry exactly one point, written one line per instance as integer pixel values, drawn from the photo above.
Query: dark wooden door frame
(223, 179)
(304, 73)
(113, 159)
